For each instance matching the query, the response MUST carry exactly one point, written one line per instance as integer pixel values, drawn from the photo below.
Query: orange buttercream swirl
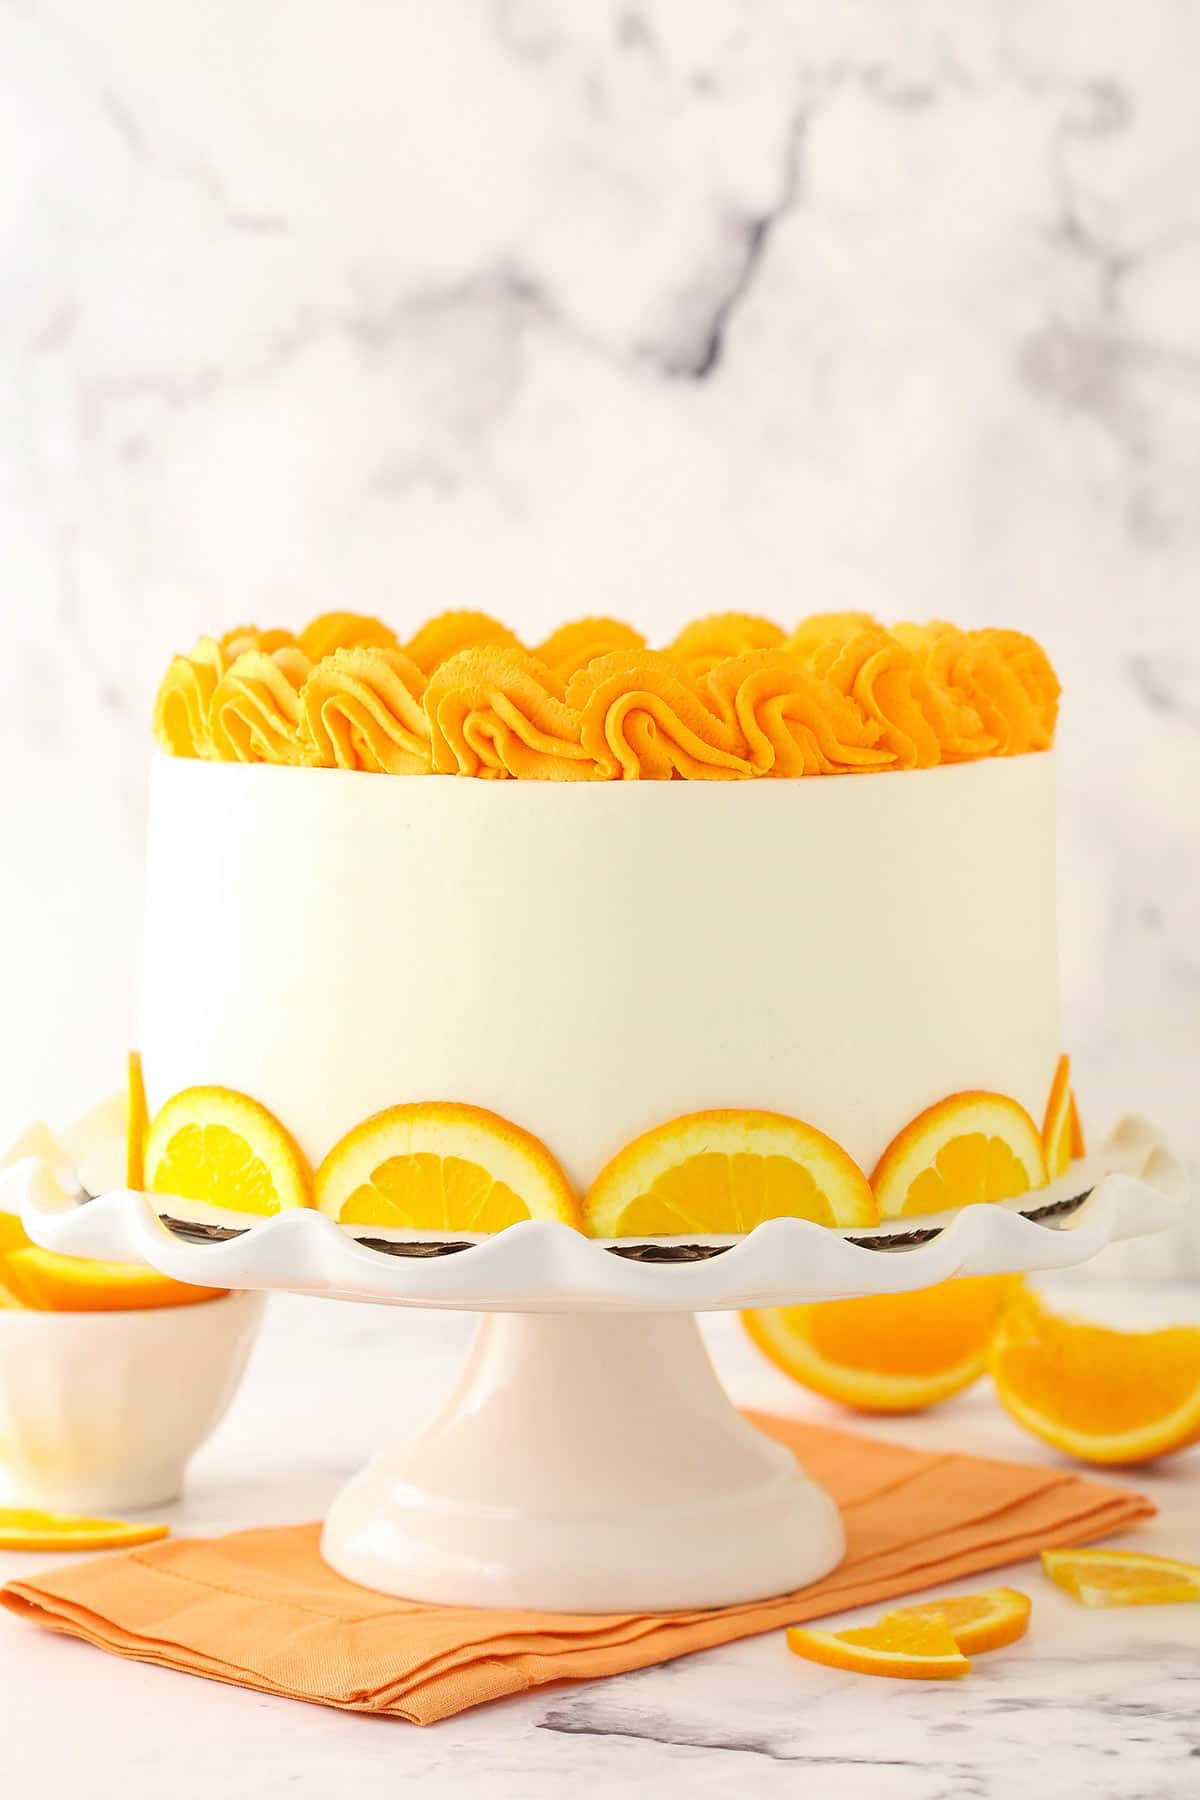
(574, 646)
(706, 643)
(181, 708)
(360, 708)
(235, 643)
(822, 629)
(255, 710)
(644, 718)
(1003, 675)
(345, 631)
(443, 637)
(494, 712)
(791, 722)
(732, 698)
(921, 723)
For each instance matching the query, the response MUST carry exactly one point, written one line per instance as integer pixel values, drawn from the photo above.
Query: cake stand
(588, 1459)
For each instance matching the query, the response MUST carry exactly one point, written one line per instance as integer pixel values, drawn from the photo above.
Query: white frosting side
(591, 960)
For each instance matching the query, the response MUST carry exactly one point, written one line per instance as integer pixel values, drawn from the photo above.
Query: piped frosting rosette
(732, 698)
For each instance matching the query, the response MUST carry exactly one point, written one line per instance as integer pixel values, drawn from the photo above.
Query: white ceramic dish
(100, 1411)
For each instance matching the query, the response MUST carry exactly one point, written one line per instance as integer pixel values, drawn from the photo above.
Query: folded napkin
(261, 1610)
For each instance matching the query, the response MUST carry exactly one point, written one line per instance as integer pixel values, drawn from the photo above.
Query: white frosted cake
(659, 944)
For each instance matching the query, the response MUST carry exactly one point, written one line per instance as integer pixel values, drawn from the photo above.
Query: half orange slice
(1104, 1396)
(726, 1172)
(1121, 1577)
(1062, 1136)
(439, 1166)
(216, 1146)
(970, 1148)
(28, 1528)
(912, 1649)
(977, 1622)
(891, 1353)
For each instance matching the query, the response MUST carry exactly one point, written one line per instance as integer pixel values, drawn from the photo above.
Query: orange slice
(1101, 1395)
(12, 1237)
(137, 1124)
(213, 1145)
(46, 1282)
(1062, 1137)
(913, 1649)
(967, 1149)
(439, 1166)
(892, 1353)
(976, 1622)
(27, 1528)
(1121, 1577)
(726, 1172)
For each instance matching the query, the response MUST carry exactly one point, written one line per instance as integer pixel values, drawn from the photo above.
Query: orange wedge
(1062, 1137)
(967, 1149)
(213, 1145)
(137, 1124)
(440, 1166)
(892, 1353)
(1121, 1577)
(913, 1649)
(27, 1528)
(13, 1235)
(1101, 1395)
(46, 1282)
(726, 1172)
(976, 1622)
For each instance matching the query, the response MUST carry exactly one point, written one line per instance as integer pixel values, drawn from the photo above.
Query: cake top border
(732, 697)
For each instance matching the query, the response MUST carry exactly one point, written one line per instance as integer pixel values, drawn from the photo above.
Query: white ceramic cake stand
(588, 1459)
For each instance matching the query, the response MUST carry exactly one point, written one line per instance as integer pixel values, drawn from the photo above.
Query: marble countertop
(1106, 1704)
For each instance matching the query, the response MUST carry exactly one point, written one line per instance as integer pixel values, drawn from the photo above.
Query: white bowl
(100, 1411)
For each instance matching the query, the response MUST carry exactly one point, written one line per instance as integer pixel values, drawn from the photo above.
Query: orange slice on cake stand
(137, 1124)
(438, 1166)
(970, 1148)
(1062, 1134)
(724, 1173)
(226, 1157)
(888, 1353)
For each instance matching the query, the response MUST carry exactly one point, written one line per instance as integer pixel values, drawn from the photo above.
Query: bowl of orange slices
(111, 1375)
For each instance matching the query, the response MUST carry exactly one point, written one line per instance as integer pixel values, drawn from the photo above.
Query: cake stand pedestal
(589, 1460)
(585, 1463)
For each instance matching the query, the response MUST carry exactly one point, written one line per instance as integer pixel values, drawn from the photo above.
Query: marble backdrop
(649, 308)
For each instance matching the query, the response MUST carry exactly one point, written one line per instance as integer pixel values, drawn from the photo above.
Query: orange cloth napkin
(261, 1610)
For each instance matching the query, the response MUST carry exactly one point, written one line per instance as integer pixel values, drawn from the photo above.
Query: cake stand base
(585, 1463)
